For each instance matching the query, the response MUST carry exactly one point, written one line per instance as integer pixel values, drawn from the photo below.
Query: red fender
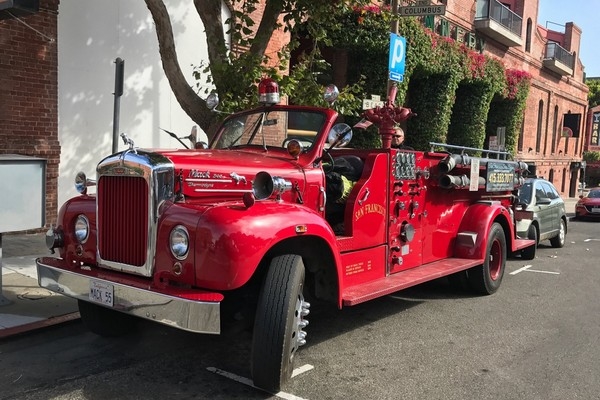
(471, 241)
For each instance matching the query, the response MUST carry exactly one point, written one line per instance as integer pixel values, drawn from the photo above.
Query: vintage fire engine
(181, 236)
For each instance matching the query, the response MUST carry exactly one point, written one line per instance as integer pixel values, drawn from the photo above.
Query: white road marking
(248, 382)
(544, 272)
(589, 240)
(521, 269)
(527, 268)
(301, 370)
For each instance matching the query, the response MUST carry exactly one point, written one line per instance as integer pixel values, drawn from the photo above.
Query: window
(554, 129)
(551, 193)
(528, 36)
(539, 192)
(538, 139)
(521, 134)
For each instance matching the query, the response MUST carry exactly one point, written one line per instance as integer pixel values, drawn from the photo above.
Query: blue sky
(584, 14)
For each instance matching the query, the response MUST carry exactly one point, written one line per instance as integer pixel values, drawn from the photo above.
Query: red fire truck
(280, 210)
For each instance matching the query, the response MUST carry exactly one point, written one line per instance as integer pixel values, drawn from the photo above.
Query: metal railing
(494, 10)
(554, 51)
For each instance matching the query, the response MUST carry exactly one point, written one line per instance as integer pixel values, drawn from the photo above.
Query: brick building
(30, 93)
(557, 100)
(28, 89)
(592, 143)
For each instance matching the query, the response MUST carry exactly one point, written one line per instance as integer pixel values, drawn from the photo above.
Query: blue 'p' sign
(397, 57)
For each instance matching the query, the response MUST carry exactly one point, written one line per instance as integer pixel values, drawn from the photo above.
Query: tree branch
(268, 24)
(189, 101)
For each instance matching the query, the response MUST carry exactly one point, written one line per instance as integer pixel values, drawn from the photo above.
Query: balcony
(496, 21)
(558, 59)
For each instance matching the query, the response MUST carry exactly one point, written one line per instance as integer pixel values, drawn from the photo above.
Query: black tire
(558, 241)
(486, 278)
(105, 322)
(529, 252)
(459, 281)
(278, 324)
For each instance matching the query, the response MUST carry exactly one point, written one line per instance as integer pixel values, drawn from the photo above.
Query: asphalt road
(536, 338)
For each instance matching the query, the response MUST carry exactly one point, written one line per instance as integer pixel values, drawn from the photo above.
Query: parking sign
(397, 57)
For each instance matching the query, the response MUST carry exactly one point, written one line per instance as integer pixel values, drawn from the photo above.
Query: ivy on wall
(459, 95)
(507, 109)
(431, 98)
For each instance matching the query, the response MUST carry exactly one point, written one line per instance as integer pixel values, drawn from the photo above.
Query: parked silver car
(549, 220)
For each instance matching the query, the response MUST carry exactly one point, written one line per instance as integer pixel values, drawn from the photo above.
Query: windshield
(273, 128)
(525, 193)
(594, 194)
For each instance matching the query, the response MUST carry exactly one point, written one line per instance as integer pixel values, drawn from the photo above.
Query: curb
(45, 323)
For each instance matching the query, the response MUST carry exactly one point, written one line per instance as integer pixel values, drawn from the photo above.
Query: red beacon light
(268, 92)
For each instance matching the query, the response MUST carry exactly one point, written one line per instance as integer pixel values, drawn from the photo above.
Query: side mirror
(331, 94)
(212, 101)
(543, 201)
(339, 135)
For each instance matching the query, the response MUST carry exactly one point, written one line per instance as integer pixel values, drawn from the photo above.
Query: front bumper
(172, 309)
(586, 211)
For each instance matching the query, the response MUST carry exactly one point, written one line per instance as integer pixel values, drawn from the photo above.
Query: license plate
(596, 209)
(102, 293)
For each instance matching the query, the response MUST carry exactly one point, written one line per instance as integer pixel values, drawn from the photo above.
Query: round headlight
(179, 242)
(82, 228)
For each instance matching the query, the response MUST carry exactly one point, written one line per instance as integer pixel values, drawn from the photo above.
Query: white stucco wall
(91, 35)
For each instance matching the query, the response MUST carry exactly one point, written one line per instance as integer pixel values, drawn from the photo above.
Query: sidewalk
(30, 307)
(24, 306)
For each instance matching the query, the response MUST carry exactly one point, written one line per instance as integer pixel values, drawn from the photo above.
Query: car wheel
(279, 322)
(529, 252)
(487, 277)
(559, 240)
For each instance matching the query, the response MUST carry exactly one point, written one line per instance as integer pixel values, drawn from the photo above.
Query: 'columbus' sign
(413, 11)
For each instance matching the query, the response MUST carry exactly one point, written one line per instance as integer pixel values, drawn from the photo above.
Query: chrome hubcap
(298, 335)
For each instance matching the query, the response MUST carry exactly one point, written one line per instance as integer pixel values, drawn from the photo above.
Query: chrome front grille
(132, 186)
(123, 219)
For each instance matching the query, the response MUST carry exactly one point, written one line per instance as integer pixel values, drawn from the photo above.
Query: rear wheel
(559, 240)
(529, 252)
(104, 321)
(279, 322)
(487, 277)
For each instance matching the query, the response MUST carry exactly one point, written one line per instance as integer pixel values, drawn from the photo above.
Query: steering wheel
(328, 167)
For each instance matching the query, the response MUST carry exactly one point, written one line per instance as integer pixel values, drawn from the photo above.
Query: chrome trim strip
(193, 316)
(224, 190)
(201, 180)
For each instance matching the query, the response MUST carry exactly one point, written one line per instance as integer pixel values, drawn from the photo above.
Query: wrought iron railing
(556, 52)
(494, 10)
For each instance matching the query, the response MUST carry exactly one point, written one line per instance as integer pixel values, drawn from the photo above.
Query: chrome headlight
(82, 228)
(179, 242)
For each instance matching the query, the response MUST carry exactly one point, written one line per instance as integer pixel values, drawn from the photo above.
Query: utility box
(22, 193)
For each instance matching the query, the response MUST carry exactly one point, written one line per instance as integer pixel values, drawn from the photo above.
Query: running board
(357, 294)
(520, 244)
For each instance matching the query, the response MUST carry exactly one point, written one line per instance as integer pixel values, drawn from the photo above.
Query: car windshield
(270, 128)
(525, 193)
(594, 194)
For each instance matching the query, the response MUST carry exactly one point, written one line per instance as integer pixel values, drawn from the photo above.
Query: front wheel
(528, 253)
(559, 240)
(487, 277)
(105, 322)
(279, 322)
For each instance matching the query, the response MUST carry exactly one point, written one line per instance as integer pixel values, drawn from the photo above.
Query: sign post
(397, 59)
